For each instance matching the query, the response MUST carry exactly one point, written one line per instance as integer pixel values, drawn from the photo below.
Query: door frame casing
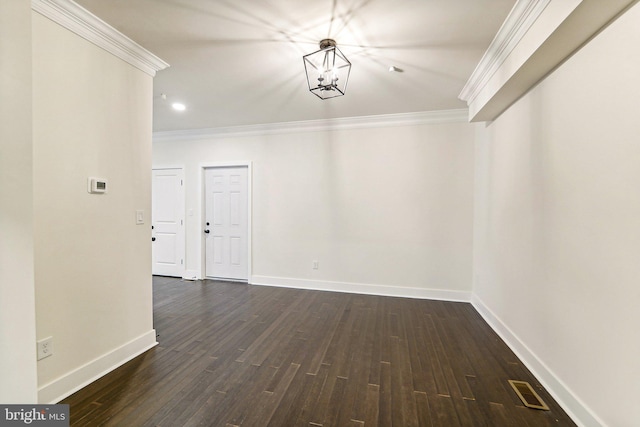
(202, 167)
(184, 210)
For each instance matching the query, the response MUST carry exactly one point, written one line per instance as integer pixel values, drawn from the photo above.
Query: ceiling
(239, 62)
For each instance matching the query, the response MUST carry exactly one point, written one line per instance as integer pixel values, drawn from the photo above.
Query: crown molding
(79, 20)
(518, 22)
(364, 122)
(541, 35)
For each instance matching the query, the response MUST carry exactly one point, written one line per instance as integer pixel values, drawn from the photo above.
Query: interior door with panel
(226, 223)
(167, 222)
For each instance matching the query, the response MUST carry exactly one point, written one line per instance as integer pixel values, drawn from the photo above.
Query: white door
(226, 223)
(167, 223)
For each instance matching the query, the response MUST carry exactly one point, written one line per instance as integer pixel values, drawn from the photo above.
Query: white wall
(557, 227)
(91, 117)
(17, 309)
(385, 210)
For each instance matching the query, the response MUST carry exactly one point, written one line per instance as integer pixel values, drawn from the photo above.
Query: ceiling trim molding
(549, 32)
(88, 26)
(518, 22)
(323, 125)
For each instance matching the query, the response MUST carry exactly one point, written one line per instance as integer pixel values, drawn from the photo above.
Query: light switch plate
(139, 217)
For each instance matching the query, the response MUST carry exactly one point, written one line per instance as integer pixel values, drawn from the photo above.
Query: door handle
(206, 231)
(153, 239)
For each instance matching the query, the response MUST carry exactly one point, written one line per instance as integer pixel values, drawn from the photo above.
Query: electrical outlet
(315, 264)
(45, 348)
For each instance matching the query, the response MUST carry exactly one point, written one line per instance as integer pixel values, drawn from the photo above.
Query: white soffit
(88, 26)
(365, 122)
(537, 36)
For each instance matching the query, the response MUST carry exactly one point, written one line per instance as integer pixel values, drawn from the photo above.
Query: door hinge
(180, 182)
(181, 262)
(181, 222)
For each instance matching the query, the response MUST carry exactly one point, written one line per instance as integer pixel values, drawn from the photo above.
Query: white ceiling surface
(239, 62)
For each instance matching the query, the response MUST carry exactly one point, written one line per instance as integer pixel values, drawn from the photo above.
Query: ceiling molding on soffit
(537, 36)
(364, 122)
(515, 26)
(88, 26)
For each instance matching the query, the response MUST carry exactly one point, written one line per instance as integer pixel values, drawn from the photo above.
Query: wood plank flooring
(239, 355)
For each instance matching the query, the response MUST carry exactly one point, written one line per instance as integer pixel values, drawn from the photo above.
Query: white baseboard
(362, 288)
(573, 406)
(68, 384)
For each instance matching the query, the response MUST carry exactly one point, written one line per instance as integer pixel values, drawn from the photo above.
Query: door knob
(206, 231)
(153, 239)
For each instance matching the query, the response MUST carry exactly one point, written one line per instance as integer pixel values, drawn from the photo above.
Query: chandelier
(327, 70)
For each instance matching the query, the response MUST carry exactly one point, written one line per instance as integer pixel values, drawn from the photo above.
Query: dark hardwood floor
(239, 355)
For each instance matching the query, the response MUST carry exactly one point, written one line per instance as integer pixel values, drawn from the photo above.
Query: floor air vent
(528, 395)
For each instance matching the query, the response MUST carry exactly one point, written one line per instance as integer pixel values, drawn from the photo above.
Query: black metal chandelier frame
(327, 70)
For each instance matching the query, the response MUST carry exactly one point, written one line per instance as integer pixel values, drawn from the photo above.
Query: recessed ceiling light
(178, 106)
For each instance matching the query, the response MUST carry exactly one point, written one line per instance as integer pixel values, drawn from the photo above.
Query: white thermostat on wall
(97, 185)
